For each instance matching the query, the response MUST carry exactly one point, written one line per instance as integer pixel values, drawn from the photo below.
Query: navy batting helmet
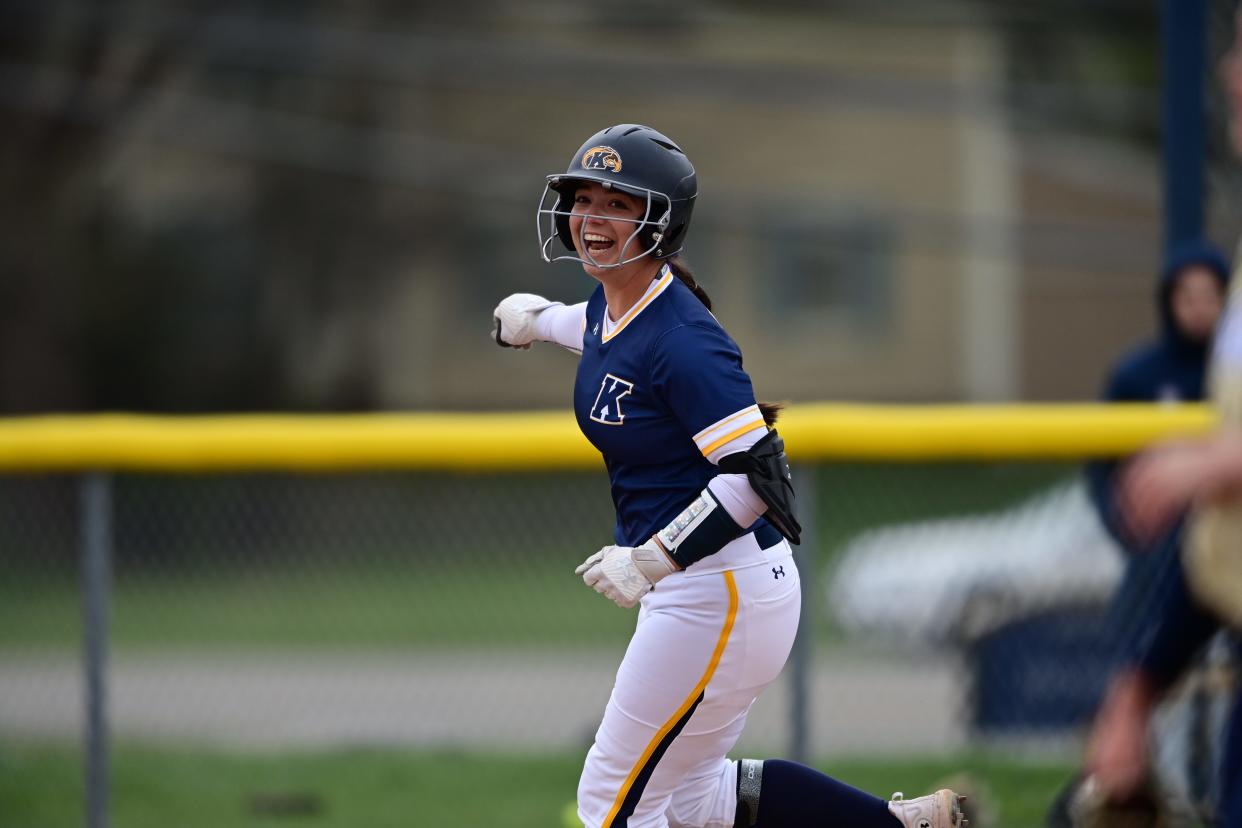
(636, 160)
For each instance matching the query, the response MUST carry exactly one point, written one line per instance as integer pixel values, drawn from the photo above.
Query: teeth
(592, 237)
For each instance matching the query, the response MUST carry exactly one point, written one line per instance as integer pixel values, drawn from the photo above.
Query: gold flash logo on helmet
(601, 158)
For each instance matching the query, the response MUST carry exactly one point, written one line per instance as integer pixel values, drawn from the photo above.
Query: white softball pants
(705, 647)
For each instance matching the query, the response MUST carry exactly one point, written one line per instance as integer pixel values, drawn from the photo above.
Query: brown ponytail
(770, 411)
(681, 270)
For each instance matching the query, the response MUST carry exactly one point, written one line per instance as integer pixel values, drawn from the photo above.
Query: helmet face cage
(552, 223)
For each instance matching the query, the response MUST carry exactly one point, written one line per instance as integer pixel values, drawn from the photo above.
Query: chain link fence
(946, 604)
(949, 608)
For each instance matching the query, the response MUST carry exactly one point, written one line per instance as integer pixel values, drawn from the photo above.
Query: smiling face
(604, 225)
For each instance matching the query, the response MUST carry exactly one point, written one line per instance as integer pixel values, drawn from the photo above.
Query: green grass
(530, 604)
(41, 787)
(497, 592)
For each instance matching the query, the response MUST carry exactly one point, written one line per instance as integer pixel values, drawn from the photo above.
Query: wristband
(703, 529)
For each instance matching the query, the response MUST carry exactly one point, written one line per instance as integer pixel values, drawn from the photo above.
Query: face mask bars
(553, 233)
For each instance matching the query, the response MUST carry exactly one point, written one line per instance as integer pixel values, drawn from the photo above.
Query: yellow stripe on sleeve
(750, 409)
(732, 435)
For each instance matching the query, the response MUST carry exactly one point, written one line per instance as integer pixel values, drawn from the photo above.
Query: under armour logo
(925, 823)
(778, 572)
(607, 406)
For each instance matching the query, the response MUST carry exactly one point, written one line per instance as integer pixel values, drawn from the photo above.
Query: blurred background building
(314, 206)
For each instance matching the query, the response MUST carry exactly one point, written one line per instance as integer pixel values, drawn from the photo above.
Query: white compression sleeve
(562, 324)
(738, 498)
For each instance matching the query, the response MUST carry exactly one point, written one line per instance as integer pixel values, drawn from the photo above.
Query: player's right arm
(1164, 481)
(523, 318)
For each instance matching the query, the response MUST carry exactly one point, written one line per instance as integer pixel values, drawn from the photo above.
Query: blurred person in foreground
(1204, 590)
(1169, 369)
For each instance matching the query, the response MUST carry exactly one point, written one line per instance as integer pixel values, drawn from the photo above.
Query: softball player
(705, 510)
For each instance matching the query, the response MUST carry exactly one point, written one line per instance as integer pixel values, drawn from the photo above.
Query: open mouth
(596, 243)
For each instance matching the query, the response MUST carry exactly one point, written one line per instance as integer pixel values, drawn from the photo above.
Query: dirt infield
(507, 701)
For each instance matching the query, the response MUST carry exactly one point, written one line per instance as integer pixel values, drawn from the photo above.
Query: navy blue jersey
(657, 396)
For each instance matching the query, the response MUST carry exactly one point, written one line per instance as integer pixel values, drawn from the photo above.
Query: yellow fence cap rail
(466, 441)
(985, 432)
(551, 440)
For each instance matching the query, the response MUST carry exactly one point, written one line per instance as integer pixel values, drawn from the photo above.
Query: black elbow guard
(767, 468)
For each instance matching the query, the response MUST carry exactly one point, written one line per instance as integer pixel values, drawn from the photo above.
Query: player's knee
(705, 801)
(713, 811)
(701, 813)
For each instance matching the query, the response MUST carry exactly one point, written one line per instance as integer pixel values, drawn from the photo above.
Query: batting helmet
(636, 160)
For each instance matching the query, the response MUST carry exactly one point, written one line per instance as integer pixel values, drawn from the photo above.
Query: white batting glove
(624, 574)
(514, 319)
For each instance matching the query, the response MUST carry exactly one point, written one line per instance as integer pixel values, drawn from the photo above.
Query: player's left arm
(697, 370)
